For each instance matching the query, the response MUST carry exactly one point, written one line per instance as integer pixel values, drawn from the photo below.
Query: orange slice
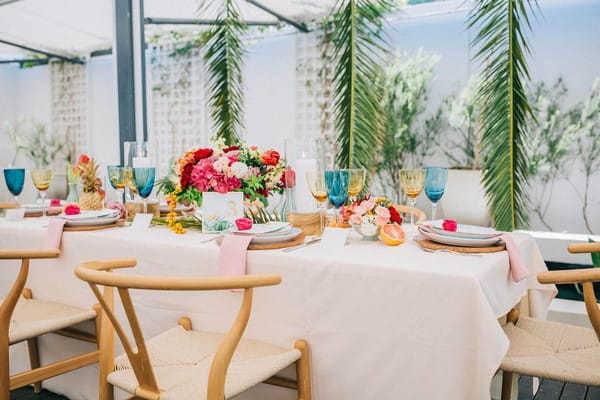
(392, 234)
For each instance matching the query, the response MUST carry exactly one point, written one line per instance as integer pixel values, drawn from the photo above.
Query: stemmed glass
(144, 182)
(318, 189)
(412, 181)
(435, 185)
(41, 180)
(337, 183)
(15, 178)
(118, 179)
(357, 181)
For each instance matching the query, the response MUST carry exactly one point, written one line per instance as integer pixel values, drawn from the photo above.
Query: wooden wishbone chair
(420, 216)
(553, 350)
(23, 318)
(185, 364)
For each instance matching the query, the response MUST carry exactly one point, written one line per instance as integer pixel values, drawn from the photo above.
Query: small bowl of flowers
(368, 215)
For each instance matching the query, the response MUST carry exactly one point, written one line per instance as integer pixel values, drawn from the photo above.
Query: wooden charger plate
(273, 246)
(431, 245)
(117, 223)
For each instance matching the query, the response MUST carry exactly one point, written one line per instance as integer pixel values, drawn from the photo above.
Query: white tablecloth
(383, 322)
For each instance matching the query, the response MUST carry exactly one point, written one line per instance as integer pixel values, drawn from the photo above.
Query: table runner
(383, 322)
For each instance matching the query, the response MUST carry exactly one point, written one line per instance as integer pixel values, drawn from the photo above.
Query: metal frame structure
(49, 55)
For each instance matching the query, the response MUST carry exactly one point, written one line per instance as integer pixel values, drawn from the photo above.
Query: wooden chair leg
(32, 348)
(105, 336)
(4, 365)
(303, 370)
(507, 379)
(34, 361)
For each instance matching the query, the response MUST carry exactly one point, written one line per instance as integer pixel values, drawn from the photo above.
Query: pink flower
(222, 187)
(380, 221)
(72, 209)
(382, 212)
(369, 204)
(361, 209)
(356, 219)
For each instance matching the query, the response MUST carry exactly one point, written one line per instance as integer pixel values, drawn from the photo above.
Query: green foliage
(29, 137)
(224, 57)
(502, 48)
(463, 115)
(595, 256)
(408, 134)
(358, 48)
(551, 151)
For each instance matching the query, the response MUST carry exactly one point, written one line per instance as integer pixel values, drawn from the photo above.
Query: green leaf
(502, 48)
(358, 50)
(224, 57)
(595, 256)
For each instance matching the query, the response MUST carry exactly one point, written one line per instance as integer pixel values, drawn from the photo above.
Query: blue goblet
(435, 185)
(15, 178)
(337, 183)
(144, 182)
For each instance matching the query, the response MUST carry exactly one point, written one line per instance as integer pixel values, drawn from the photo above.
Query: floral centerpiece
(224, 169)
(368, 215)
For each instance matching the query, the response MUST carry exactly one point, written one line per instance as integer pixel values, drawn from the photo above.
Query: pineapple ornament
(91, 198)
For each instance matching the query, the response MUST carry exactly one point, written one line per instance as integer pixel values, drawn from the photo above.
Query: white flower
(221, 164)
(240, 170)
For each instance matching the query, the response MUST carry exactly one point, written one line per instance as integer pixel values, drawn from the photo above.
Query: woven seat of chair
(181, 360)
(33, 317)
(552, 350)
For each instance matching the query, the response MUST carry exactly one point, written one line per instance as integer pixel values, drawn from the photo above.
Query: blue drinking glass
(337, 183)
(15, 178)
(144, 182)
(435, 185)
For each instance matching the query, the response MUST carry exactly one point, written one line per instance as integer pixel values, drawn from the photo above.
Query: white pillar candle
(305, 202)
(140, 162)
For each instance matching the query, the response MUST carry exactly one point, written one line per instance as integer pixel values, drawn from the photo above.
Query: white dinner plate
(459, 241)
(462, 231)
(282, 237)
(95, 222)
(90, 215)
(265, 229)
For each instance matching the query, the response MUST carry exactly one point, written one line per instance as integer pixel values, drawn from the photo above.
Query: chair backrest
(100, 273)
(7, 306)
(586, 277)
(419, 215)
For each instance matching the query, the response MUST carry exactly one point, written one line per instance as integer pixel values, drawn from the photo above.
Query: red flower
(270, 157)
(450, 225)
(72, 209)
(83, 159)
(201, 154)
(230, 148)
(243, 224)
(186, 175)
(54, 202)
(394, 215)
(288, 178)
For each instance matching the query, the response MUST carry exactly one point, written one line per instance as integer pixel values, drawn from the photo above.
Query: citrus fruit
(392, 234)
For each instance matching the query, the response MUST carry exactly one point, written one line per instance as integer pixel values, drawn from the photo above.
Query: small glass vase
(289, 203)
(73, 196)
(367, 231)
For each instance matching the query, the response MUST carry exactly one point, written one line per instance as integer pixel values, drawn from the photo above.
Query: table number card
(141, 221)
(334, 237)
(220, 210)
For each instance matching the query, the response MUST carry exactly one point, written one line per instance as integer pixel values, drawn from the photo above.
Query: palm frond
(502, 47)
(224, 57)
(358, 50)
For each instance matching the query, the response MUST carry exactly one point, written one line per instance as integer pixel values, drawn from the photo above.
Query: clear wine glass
(318, 189)
(41, 180)
(118, 179)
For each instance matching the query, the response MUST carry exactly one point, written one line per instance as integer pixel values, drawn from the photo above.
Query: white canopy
(75, 28)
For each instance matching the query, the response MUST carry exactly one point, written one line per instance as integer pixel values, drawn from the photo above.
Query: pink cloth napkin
(232, 258)
(55, 232)
(518, 269)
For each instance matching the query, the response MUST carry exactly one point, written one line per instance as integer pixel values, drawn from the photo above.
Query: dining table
(383, 322)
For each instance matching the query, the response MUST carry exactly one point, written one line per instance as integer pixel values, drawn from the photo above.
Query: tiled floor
(549, 390)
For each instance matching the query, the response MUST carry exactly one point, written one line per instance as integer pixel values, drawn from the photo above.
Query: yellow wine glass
(412, 181)
(128, 171)
(41, 180)
(118, 179)
(318, 189)
(357, 181)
